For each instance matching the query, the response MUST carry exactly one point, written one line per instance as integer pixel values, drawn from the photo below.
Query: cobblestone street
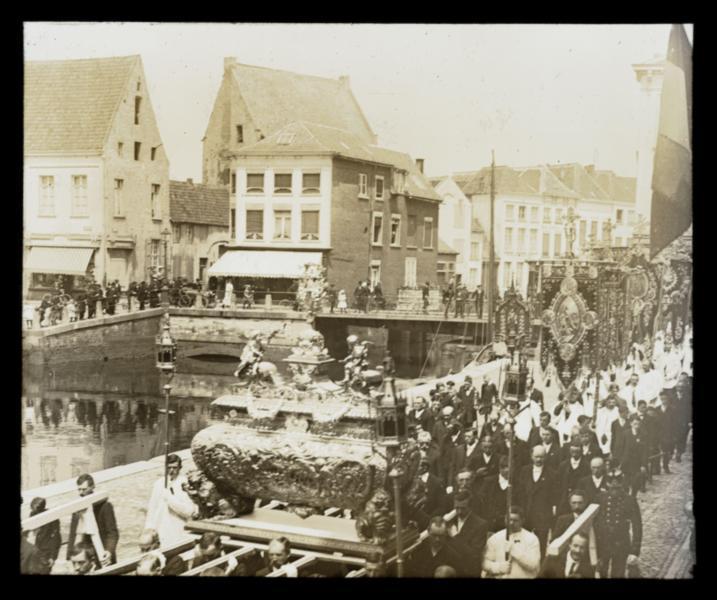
(665, 543)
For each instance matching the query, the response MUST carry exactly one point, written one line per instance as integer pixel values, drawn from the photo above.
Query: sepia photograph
(351, 300)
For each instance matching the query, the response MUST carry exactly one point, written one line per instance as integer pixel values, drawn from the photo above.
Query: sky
(450, 94)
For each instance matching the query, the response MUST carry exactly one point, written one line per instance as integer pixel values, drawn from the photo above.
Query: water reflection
(67, 435)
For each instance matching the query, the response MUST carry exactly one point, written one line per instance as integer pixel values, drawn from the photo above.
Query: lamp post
(391, 432)
(166, 359)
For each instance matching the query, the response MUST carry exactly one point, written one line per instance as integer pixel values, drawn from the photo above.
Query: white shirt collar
(502, 482)
(568, 563)
(597, 482)
(424, 477)
(574, 462)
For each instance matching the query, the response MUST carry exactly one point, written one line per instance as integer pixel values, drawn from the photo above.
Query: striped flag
(671, 212)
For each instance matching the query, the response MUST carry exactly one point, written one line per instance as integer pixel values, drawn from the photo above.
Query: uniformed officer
(618, 528)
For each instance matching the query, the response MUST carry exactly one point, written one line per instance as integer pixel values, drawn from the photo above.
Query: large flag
(671, 212)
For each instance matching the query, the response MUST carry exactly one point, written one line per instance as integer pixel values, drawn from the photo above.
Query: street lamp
(391, 432)
(166, 359)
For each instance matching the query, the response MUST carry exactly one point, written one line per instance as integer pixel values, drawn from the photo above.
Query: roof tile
(198, 204)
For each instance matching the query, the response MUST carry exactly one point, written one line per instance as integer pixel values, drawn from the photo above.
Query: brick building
(312, 193)
(200, 227)
(96, 177)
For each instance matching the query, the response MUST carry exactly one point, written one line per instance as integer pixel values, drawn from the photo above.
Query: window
(139, 86)
(559, 216)
(428, 232)
(533, 214)
(234, 183)
(411, 230)
(310, 183)
(546, 245)
(282, 183)
(618, 216)
(395, 230)
(375, 272)
(119, 185)
(558, 244)
(509, 214)
(363, 185)
(475, 250)
(154, 254)
(232, 223)
(508, 241)
(47, 196)
(285, 138)
(533, 241)
(254, 224)
(547, 214)
(377, 229)
(79, 196)
(201, 232)
(155, 202)
(153, 152)
(379, 187)
(137, 104)
(240, 134)
(137, 150)
(521, 241)
(521, 213)
(282, 224)
(120, 149)
(310, 225)
(255, 183)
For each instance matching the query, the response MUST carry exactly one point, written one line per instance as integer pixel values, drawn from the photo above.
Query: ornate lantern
(391, 415)
(166, 348)
(516, 380)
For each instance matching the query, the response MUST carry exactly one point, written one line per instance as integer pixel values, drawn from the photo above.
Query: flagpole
(491, 268)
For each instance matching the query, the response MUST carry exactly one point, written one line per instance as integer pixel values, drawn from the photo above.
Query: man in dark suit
(493, 428)
(492, 497)
(485, 462)
(618, 528)
(451, 442)
(667, 428)
(534, 393)
(619, 429)
(488, 396)
(469, 533)
(536, 491)
(466, 403)
(421, 415)
(577, 504)
(633, 458)
(552, 450)
(440, 428)
(521, 453)
(435, 493)
(440, 550)
(430, 451)
(570, 564)
(47, 538)
(466, 453)
(465, 482)
(595, 483)
(104, 514)
(570, 472)
(534, 437)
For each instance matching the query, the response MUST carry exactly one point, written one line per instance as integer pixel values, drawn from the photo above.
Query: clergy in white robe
(606, 415)
(171, 507)
(527, 418)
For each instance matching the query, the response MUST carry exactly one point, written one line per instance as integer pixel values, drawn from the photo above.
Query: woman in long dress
(343, 302)
(228, 293)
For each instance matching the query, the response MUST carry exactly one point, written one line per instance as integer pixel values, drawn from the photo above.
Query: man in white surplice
(171, 507)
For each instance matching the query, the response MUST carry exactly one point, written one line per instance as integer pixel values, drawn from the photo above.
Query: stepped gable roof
(198, 204)
(69, 105)
(311, 138)
(275, 98)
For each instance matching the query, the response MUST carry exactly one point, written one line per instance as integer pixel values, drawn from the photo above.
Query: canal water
(68, 433)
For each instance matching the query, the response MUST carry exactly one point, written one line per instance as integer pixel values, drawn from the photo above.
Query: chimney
(419, 164)
(344, 80)
(229, 61)
(189, 181)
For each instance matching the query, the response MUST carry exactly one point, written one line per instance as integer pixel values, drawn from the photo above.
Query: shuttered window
(255, 224)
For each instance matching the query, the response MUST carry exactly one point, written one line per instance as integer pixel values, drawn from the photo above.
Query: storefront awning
(60, 260)
(263, 263)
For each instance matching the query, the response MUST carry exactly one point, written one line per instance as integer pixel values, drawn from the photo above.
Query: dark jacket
(425, 420)
(534, 438)
(422, 563)
(618, 525)
(569, 480)
(48, 540)
(107, 525)
(492, 502)
(537, 498)
(618, 432)
(463, 460)
(470, 540)
(633, 453)
(31, 561)
(587, 485)
(554, 568)
(479, 462)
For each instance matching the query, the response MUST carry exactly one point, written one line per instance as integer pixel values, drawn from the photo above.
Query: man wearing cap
(618, 528)
(469, 533)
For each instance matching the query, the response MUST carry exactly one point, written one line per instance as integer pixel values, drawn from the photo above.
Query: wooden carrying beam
(580, 524)
(217, 562)
(52, 514)
(302, 562)
(332, 558)
(129, 565)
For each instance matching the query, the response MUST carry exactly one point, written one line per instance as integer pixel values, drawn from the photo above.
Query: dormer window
(240, 134)
(137, 105)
